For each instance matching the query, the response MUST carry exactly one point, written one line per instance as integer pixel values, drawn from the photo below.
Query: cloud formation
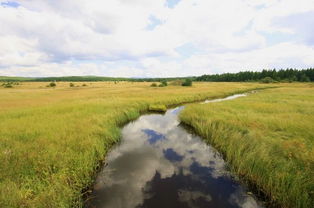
(151, 38)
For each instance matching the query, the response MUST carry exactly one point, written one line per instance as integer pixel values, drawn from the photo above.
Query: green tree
(304, 78)
(187, 82)
(164, 83)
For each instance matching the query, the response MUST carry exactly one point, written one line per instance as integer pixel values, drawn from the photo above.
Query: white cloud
(282, 55)
(51, 37)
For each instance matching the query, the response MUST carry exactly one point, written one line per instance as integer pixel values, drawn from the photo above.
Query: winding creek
(158, 163)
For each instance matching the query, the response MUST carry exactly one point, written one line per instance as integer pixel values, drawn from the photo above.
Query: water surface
(160, 164)
(226, 98)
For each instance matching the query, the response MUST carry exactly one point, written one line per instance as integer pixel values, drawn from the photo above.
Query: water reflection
(226, 98)
(160, 164)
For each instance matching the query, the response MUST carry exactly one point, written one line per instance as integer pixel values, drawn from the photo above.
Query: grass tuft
(157, 108)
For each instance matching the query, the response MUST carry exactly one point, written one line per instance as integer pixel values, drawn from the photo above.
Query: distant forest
(283, 75)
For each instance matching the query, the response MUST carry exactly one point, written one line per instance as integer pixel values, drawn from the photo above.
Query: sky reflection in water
(160, 164)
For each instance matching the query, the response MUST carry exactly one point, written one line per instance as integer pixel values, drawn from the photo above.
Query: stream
(159, 163)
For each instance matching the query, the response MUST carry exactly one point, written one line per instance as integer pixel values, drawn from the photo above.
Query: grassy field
(53, 139)
(268, 138)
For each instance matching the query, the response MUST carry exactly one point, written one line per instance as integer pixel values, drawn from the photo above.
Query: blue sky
(10, 4)
(172, 3)
(153, 38)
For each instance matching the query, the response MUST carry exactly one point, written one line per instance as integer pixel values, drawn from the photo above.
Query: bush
(153, 85)
(163, 84)
(7, 85)
(285, 81)
(267, 80)
(177, 82)
(72, 85)
(187, 82)
(52, 84)
(157, 108)
(84, 85)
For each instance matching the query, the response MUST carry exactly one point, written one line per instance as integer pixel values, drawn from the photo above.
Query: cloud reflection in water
(160, 164)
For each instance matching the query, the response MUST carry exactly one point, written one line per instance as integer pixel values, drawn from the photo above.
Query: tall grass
(268, 139)
(53, 139)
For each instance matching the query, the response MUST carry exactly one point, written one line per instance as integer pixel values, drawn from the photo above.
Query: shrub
(164, 83)
(52, 84)
(84, 85)
(267, 80)
(177, 82)
(157, 108)
(187, 82)
(285, 81)
(71, 85)
(153, 85)
(7, 85)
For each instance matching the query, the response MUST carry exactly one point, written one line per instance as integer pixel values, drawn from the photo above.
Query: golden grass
(53, 139)
(267, 137)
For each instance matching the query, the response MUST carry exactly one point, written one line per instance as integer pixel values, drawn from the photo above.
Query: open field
(267, 137)
(53, 139)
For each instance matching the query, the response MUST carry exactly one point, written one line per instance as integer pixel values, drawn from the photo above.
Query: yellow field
(53, 139)
(268, 137)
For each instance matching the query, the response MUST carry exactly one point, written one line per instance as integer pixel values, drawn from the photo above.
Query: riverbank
(267, 139)
(159, 163)
(53, 139)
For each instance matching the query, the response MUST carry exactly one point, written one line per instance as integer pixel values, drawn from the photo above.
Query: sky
(153, 38)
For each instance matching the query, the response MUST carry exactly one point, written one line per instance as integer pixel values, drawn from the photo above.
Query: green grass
(157, 108)
(53, 139)
(267, 138)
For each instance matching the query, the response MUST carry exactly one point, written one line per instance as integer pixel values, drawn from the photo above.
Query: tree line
(282, 75)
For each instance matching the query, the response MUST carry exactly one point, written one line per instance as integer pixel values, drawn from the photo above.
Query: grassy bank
(52, 139)
(268, 139)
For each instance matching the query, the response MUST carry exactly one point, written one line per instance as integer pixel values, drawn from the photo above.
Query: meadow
(53, 139)
(268, 139)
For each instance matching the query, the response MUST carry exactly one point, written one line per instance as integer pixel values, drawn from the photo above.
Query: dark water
(160, 164)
